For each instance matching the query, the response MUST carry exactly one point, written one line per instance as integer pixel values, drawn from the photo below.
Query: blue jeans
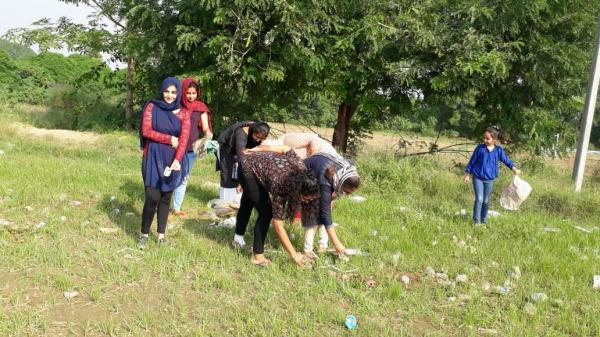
(482, 189)
(179, 192)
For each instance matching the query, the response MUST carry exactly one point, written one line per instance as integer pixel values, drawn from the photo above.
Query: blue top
(160, 155)
(319, 164)
(484, 163)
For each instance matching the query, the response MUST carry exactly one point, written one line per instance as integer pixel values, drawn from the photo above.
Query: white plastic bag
(514, 194)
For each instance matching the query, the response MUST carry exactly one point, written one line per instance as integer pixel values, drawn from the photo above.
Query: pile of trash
(222, 212)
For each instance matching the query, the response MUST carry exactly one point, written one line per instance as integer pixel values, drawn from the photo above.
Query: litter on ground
(357, 198)
(539, 297)
(582, 229)
(70, 294)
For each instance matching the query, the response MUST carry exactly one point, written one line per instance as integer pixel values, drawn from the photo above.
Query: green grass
(199, 287)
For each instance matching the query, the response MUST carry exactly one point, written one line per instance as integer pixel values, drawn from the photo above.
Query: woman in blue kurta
(483, 167)
(163, 125)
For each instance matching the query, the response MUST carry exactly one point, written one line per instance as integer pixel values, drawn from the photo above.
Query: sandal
(181, 214)
(261, 263)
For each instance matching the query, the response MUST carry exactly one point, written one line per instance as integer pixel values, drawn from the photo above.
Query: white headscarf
(343, 170)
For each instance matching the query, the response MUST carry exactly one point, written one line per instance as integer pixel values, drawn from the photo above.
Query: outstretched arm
(269, 148)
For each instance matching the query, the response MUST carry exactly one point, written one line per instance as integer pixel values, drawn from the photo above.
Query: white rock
(515, 273)
(434, 243)
(405, 279)
(441, 276)
(501, 290)
(76, 203)
(63, 218)
(130, 214)
(396, 259)
(29, 208)
(108, 230)
(430, 271)
(486, 286)
(596, 282)
(70, 294)
(529, 309)
(40, 224)
(462, 278)
(539, 297)
(112, 198)
(1, 152)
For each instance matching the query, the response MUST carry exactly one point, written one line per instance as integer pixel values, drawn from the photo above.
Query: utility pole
(588, 115)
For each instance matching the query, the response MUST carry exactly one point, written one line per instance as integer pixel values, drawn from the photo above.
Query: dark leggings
(156, 202)
(254, 196)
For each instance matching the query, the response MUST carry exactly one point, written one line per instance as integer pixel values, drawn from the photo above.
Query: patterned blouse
(271, 170)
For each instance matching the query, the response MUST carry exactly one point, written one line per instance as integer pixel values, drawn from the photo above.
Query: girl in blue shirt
(483, 167)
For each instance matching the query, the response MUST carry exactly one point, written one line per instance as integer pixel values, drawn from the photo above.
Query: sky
(21, 13)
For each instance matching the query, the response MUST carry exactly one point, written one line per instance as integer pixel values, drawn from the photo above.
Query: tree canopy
(453, 65)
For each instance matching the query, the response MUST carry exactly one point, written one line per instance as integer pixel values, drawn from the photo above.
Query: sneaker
(162, 242)
(237, 246)
(142, 242)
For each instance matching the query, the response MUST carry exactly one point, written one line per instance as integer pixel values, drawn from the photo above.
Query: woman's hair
(260, 128)
(352, 182)
(495, 132)
(301, 182)
(197, 87)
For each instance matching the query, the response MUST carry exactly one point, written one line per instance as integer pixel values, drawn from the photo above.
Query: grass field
(57, 194)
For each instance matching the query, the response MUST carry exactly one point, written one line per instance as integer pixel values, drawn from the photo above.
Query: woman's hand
(176, 166)
(301, 260)
(340, 249)
(516, 171)
(239, 189)
(208, 135)
(467, 178)
(174, 142)
(249, 151)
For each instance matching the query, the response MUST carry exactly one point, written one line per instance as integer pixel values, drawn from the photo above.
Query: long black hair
(300, 182)
(259, 128)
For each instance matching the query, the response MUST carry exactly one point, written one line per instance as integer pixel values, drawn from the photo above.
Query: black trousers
(254, 196)
(156, 202)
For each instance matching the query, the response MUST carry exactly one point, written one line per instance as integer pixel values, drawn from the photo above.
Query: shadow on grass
(123, 213)
(200, 194)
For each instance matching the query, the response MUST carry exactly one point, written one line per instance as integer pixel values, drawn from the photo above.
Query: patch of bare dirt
(64, 136)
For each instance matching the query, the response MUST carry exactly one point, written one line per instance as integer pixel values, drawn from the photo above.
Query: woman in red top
(200, 120)
(164, 123)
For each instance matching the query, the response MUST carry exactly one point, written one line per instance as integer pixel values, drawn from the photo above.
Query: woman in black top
(232, 142)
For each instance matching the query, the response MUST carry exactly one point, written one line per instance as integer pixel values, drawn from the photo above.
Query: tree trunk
(342, 126)
(129, 102)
